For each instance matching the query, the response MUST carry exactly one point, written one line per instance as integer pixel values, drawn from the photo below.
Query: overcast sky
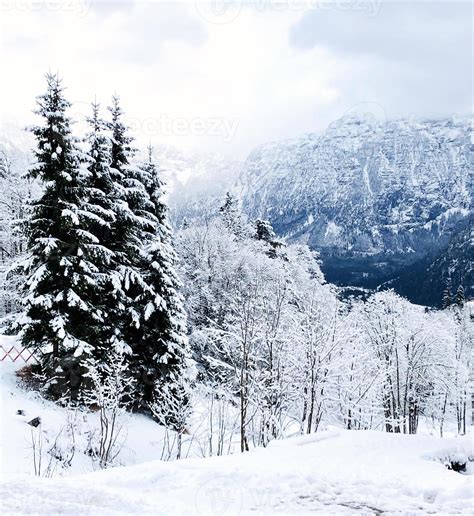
(226, 77)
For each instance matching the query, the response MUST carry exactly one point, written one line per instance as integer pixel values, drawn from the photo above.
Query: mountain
(386, 204)
(373, 198)
(454, 264)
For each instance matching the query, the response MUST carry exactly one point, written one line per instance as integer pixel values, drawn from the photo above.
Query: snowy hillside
(62, 434)
(339, 472)
(372, 197)
(331, 472)
(335, 473)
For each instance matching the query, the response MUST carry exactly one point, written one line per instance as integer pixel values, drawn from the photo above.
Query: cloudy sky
(226, 76)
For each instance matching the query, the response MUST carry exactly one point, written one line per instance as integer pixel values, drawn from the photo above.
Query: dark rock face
(372, 198)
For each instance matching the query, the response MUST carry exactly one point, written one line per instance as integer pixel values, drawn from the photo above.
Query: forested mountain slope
(426, 281)
(372, 197)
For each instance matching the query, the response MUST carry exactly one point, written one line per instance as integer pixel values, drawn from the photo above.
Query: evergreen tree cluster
(100, 270)
(450, 299)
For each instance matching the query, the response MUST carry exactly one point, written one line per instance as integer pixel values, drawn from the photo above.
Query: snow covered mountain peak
(371, 196)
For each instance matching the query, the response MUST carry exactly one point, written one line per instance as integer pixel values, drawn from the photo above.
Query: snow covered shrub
(30, 376)
(52, 452)
(459, 456)
(172, 409)
(109, 393)
(215, 419)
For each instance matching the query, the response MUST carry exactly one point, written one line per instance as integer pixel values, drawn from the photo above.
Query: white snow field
(331, 472)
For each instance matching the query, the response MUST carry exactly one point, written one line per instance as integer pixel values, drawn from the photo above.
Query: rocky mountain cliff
(372, 197)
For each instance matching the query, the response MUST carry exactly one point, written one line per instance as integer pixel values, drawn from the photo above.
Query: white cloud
(268, 73)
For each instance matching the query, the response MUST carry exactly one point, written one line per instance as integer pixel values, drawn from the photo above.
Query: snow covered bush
(109, 393)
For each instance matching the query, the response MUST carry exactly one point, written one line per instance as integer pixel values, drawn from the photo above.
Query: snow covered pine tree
(63, 266)
(230, 214)
(153, 326)
(100, 266)
(162, 347)
(104, 203)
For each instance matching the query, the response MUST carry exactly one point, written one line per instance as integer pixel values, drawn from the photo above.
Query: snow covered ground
(332, 472)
